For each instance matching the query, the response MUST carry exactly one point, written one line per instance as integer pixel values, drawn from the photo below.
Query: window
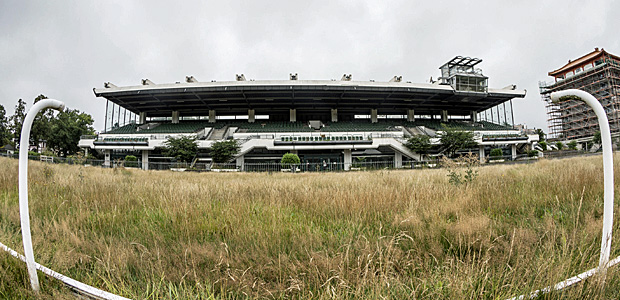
(470, 84)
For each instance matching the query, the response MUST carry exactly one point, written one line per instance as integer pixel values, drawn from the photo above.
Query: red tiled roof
(588, 57)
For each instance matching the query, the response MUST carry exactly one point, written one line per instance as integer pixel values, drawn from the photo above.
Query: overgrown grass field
(378, 235)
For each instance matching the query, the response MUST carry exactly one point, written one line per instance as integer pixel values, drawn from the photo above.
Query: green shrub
(559, 145)
(289, 160)
(543, 145)
(131, 161)
(496, 153)
(572, 145)
(532, 153)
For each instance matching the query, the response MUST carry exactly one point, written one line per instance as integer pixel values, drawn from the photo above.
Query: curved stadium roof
(278, 96)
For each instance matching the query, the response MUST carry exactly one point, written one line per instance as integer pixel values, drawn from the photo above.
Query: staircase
(218, 134)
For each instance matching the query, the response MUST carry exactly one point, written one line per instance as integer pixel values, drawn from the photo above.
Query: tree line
(52, 131)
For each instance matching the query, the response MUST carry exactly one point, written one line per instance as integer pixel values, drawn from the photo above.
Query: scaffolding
(574, 120)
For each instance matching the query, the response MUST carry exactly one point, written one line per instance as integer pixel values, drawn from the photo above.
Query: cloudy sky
(64, 49)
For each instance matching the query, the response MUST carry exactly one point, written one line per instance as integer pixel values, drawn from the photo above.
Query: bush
(131, 161)
(48, 153)
(559, 145)
(543, 145)
(289, 160)
(33, 153)
(572, 145)
(532, 153)
(496, 153)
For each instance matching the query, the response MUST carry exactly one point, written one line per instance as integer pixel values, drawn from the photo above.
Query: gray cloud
(63, 49)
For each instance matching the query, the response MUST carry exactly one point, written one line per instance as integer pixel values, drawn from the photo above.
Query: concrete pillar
(142, 117)
(347, 159)
(444, 115)
(86, 152)
(211, 115)
(473, 116)
(398, 160)
(514, 151)
(251, 116)
(145, 160)
(240, 162)
(481, 152)
(292, 115)
(410, 115)
(106, 161)
(334, 115)
(373, 115)
(175, 117)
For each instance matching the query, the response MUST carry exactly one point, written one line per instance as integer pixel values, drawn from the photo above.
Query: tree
(41, 125)
(597, 138)
(572, 145)
(454, 140)
(5, 132)
(289, 160)
(17, 119)
(66, 130)
(541, 135)
(224, 151)
(183, 148)
(419, 144)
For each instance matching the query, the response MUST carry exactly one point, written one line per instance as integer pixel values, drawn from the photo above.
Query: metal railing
(302, 167)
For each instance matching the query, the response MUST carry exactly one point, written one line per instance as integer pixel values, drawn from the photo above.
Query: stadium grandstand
(322, 121)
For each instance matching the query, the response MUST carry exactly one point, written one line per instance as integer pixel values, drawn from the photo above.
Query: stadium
(333, 124)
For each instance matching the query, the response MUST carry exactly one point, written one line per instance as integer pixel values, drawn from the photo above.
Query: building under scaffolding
(597, 73)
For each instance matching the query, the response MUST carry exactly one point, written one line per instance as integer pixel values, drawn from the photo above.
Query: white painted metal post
(24, 215)
(608, 166)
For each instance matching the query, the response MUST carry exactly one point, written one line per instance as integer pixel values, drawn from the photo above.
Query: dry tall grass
(382, 234)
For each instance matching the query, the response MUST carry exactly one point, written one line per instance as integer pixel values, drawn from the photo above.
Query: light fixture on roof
(396, 79)
(240, 77)
(346, 77)
(293, 76)
(190, 79)
(147, 82)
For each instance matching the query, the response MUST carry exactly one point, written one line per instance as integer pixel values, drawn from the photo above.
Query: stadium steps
(415, 131)
(217, 133)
